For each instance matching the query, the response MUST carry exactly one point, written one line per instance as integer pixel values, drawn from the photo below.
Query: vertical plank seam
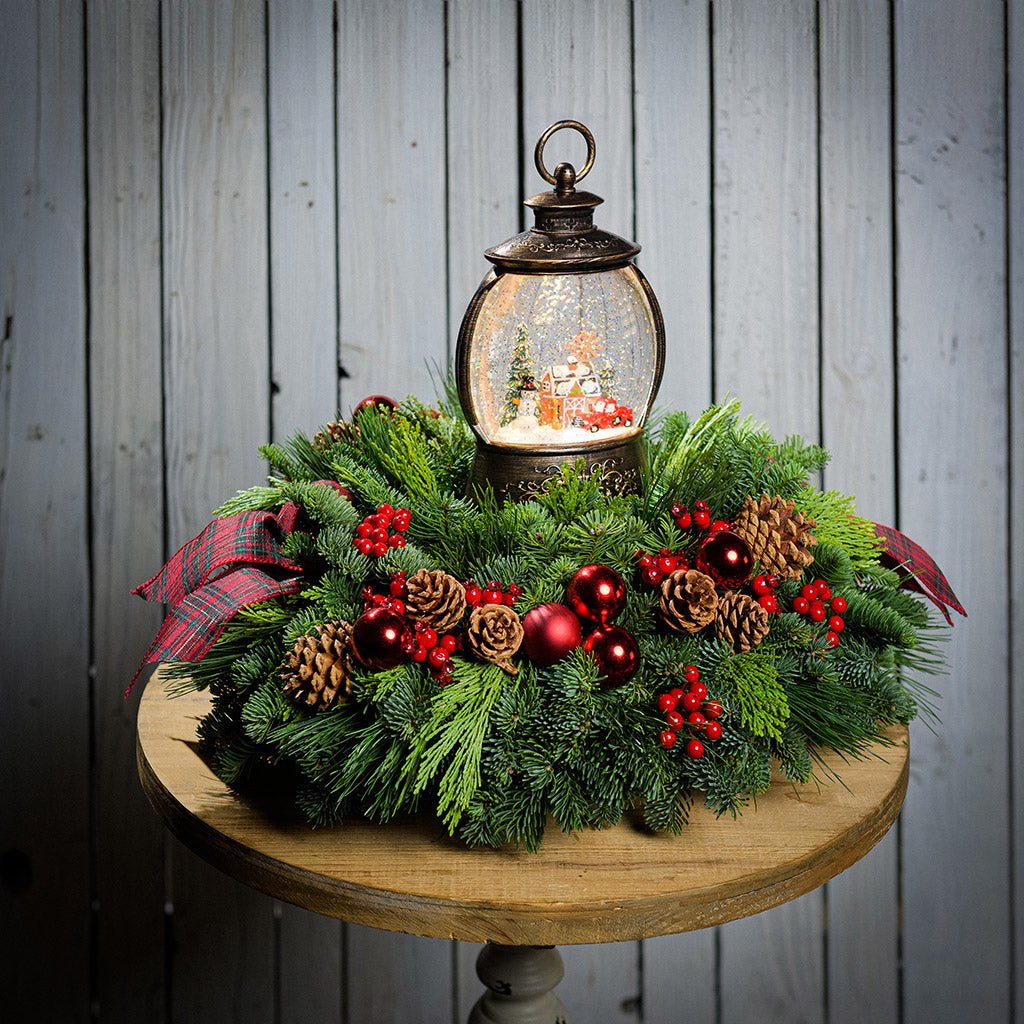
(520, 117)
(268, 177)
(897, 469)
(90, 551)
(339, 367)
(446, 145)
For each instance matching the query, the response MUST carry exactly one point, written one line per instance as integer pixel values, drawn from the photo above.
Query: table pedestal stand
(519, 980)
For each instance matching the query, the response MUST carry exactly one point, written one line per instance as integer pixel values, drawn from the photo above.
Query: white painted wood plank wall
(222, 221)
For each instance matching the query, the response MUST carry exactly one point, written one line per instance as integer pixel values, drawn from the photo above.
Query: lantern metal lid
(563, 236)
(561, 350)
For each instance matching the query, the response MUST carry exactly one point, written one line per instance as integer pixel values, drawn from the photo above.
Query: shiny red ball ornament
(725, 557)
(617, 655)
(379, 637)
(550, 632)
(596, 593)
(378, 401)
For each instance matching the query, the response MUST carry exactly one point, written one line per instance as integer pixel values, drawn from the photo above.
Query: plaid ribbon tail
(919, 570)
(195, 623)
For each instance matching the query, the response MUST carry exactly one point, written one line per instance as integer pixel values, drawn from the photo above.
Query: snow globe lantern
(561, 350)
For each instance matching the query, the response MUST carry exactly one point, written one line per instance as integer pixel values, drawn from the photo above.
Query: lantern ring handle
(538, 153)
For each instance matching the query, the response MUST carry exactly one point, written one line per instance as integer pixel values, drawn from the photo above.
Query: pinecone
(778, 537)
(334, 432)
(688, 600)
(740, 621)
(494, 634)
(435, 598)
(318, 670)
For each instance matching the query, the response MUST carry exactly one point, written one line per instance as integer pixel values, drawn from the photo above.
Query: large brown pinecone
(435, 598)
(778, 537)
(318, 670)
(334, 432)
(740, 621)
(688, 600)
(494, 634)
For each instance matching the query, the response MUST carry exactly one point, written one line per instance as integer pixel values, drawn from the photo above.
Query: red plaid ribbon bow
(214, 575)
(919, 570)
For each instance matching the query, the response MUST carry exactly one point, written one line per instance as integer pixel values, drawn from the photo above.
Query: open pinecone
(334, 432)
(688, 600)
(740, 621)
(318, 670)
(494, 634)
(778, 537)
(435, 598)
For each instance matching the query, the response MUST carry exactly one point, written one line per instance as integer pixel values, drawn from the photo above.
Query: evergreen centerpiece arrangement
(395, 644)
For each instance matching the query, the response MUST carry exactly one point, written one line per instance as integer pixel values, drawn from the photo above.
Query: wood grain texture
(216, 393)
(126, 448)
(410, 877)
(857, 417)
(951, 294)
(766, 352)
(391, 194)
(45, 900)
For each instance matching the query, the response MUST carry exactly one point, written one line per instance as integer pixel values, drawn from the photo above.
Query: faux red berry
(396, 540)
(666, 563)
(713, 709)
(447, 643)
(365, 545)
(801, 605)
(824, 593)
(838, 605)
(364, 530)
(420, 654)
(674, 720)
(684, 521)
(398, 587)
(696, 719)
(817, 612)
(713, 730)
(719, 524)
(667, 739)
(396, 604)
(691, 673)
(515, 590)
(385, 510)
(702, 519)
(695, 749)
(772, 581)
(809, 591)
(491, 595)
(678, 510)
(428, 637)
(652, 575)
(690, 701)
(702, 506)
(474, 595)
(677, 693)
(509, 599)
(769, 603)
(831, 639)
(666, 702)
(699, 690)
(759, 584)
(438, 658)
(644, 561)
(380, 549)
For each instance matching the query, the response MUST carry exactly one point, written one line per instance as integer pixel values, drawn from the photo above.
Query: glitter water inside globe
(562, 358)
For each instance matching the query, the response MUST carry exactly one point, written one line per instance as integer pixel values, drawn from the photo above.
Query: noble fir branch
(253, 499)
(865, 613)
(314, 460)
(839, 524)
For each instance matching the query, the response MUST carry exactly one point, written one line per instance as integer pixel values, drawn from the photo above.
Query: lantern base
(519, 474)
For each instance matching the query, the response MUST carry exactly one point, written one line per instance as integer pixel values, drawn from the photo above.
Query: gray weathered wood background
(221, 221)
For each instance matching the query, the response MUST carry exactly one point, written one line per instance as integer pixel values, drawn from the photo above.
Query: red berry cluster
(690, 708)
(817, 603)
(435, 650)
(373, 536)
(492, 593)
(764, 586)
(654, 568)
(700, 517)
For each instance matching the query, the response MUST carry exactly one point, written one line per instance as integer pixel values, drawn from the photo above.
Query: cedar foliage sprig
(492, 753)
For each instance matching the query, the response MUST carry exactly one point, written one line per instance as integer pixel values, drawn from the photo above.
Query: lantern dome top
(563, 237)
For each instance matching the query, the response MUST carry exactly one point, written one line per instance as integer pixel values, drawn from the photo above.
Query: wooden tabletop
(597, 886)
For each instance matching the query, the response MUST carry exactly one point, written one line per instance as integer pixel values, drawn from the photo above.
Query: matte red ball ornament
(617, 655)
(726, 558)
(379, 637)
(596, 593)
(550, 632)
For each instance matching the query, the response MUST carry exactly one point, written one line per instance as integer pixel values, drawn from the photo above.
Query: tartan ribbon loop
(236, 561)
(919, 570)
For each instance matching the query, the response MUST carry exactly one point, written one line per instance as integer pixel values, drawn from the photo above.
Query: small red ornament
(379, 637)
(726, 558)
(617, 655)
(550, 632)
(596, 593)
